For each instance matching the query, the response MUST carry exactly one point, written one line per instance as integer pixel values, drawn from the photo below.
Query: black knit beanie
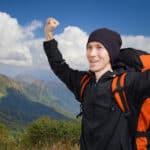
(110, 39)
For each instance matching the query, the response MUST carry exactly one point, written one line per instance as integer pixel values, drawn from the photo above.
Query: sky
(22, 30)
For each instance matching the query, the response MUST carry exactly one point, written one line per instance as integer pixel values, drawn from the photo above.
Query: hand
(50, 26)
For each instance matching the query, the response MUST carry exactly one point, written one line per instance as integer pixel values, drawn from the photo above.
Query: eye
(98, 47)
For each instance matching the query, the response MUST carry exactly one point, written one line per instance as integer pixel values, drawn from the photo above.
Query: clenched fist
(51, 24)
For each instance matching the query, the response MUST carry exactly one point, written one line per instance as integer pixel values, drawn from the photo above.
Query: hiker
(104, 126)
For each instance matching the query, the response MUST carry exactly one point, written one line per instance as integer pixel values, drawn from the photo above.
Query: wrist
(49, 36)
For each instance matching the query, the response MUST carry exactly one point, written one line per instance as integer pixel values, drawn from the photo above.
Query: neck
(99, 73)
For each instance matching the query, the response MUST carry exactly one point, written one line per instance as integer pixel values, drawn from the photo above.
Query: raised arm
(69, 76)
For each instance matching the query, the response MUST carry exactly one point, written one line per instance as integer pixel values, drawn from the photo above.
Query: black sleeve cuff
(50, 44)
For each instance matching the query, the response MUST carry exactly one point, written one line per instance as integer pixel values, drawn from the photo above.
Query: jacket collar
(107, 75)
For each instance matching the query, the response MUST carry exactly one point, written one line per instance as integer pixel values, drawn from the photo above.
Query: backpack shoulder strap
(119, 93)
(83, 83)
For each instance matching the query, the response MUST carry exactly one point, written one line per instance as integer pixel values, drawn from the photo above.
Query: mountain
(51, 93)
(17, 109)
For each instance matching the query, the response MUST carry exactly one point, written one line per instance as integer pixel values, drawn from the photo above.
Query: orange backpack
(139, 61)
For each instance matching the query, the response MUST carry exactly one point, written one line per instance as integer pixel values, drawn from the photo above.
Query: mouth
(93, 61)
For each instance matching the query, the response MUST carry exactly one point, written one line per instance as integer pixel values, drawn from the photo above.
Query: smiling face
(98, 56)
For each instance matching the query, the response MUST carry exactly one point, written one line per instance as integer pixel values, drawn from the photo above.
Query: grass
(58, 146)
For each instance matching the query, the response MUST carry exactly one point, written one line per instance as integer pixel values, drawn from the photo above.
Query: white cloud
(29, 30)
(72, 43)
(139, 42)
(39, 59)
(19, 46)
(13, 40)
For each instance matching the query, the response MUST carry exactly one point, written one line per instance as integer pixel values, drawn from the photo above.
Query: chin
(93, 69)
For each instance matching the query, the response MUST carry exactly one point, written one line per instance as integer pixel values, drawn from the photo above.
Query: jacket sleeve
(138, 86)
(67, 75)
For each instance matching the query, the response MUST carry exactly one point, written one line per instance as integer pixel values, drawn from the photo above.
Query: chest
(98, 94)
(99, 106)
(99, 101)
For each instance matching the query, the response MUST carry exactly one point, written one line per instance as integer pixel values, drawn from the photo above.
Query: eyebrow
(98, 45)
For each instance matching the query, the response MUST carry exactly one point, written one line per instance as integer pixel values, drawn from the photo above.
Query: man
(104, 127)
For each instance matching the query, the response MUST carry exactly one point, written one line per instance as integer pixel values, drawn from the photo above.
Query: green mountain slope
(52, 93)
(17, 109)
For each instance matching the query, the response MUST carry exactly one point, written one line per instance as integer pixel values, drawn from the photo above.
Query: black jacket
(104, 126)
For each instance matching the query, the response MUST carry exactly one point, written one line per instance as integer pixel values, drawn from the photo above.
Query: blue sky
(22, 25)
(127, 17)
